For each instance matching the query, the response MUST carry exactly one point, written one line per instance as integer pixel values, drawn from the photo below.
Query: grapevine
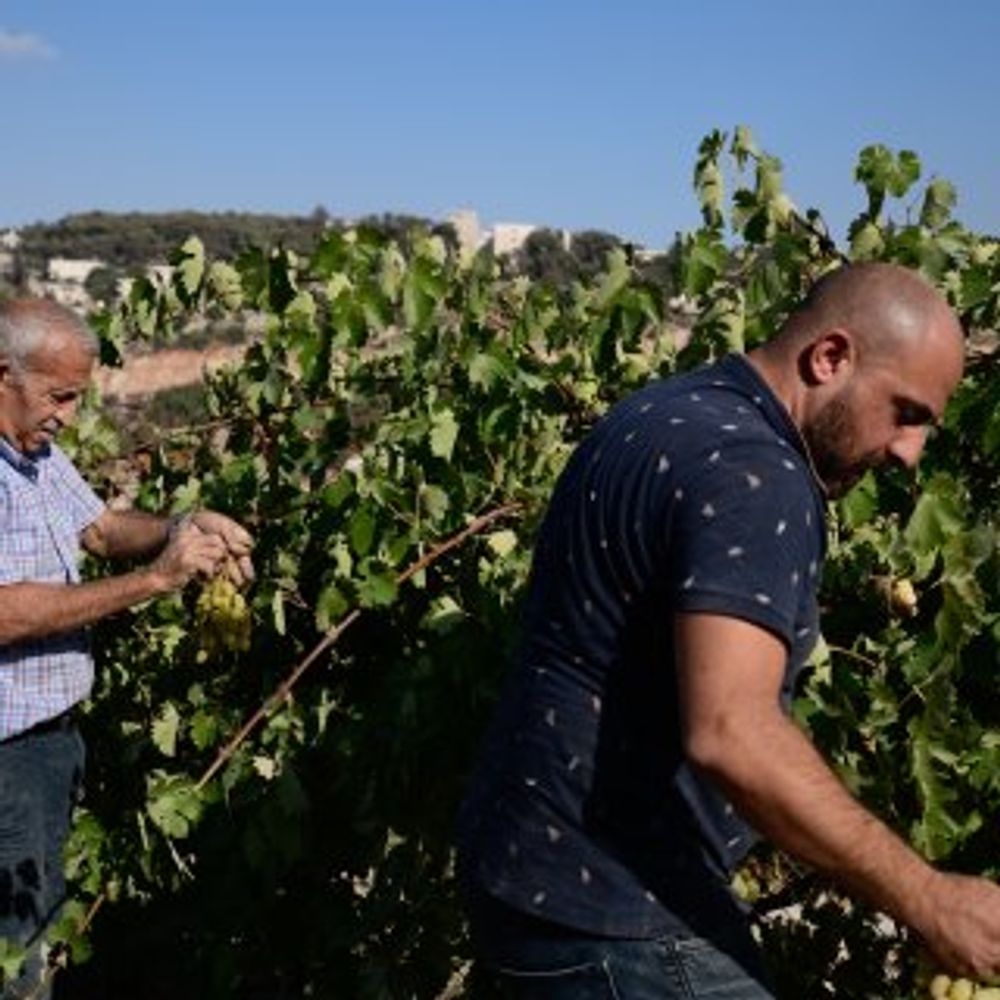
(389, 391)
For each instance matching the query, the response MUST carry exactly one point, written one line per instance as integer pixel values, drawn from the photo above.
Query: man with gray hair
(47, 513)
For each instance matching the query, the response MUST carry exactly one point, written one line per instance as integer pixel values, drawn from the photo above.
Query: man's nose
(65, 412)
(908, 445)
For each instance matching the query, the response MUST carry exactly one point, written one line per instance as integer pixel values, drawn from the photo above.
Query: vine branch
(844, 651)
(284, 689)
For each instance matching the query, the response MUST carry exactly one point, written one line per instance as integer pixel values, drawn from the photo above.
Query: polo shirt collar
(775, 411)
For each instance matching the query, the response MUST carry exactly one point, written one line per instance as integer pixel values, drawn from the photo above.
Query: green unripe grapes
(943, 987)
(222, 620)
(961, 989)
(940, 987)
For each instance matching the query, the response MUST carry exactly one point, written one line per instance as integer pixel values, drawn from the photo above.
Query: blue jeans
(40, 775)
(533, 960)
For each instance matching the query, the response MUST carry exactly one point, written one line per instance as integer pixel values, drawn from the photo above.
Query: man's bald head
(865, 365)
(885, 307)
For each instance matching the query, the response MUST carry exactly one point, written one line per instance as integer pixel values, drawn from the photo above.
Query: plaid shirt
(44, 506)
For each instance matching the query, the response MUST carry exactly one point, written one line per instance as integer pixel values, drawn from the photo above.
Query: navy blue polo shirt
(694, 494)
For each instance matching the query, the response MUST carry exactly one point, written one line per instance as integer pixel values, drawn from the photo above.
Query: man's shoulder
(53, 453)
(730, 380)
(56, 461)
(704, 408)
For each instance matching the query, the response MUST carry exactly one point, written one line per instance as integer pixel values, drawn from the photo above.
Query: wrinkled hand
(963, 928)
(190, 552)
(237, 540)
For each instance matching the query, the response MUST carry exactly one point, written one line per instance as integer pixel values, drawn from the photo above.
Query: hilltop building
(506, 237)
(510, 236)
(10, 240)
(72, 271)
(64, 281)
(465, 222)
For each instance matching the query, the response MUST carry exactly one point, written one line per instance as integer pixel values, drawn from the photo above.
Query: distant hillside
(129, 241)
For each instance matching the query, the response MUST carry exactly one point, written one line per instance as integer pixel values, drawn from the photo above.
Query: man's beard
(830, 439)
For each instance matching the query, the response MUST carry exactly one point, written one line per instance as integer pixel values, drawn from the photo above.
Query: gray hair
(26, 325)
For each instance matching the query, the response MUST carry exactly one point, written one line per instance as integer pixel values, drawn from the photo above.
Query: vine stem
(843, 651)
(41, 988)
(284, 689)
(915, 691)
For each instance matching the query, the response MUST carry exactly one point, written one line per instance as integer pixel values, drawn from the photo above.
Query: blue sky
(570, 114)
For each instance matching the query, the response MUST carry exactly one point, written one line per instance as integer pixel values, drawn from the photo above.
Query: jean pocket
(588, 981)
(725, 970)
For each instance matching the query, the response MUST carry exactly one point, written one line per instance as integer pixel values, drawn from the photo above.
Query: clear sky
(569, 113)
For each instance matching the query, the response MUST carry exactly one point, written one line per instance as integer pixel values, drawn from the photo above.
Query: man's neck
(782, 381)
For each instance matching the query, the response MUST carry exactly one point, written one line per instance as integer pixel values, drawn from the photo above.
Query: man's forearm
(35, 610)
(127, 534)
(729, 680)
(780, 783)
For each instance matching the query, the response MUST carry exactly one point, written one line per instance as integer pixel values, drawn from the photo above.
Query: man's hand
(238, 543)
(190, 552)
(962, 928)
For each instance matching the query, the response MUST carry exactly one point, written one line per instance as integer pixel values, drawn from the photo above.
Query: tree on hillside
(590, 250)
(543, 257)
(102, 284)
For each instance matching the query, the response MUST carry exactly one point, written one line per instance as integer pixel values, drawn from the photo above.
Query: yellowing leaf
(502, 542)
(165, 728)
(266, 767)
(444, 432)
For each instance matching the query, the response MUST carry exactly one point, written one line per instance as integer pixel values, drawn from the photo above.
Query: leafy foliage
(394, 394)
(902, 697)
(390, 398)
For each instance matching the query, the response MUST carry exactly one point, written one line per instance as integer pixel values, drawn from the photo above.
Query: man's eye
(911, 416)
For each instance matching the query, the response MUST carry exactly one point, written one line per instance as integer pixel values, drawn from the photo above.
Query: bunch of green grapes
(942, 987)
(222, 619)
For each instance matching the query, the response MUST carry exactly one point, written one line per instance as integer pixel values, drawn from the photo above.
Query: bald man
(47, 512)
(642, 743)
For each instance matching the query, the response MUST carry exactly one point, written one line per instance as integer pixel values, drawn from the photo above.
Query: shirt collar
(27, 465)
(776, 412)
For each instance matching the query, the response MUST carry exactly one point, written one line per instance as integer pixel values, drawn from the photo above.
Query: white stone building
(465, 222)
(510, 236)
(72, 271)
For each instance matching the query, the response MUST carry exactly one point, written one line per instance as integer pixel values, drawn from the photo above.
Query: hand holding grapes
(963, 930)
(237, 540)
(189, 552)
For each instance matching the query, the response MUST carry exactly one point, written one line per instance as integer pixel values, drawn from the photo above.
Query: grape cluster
(942, 987)
(222, 619)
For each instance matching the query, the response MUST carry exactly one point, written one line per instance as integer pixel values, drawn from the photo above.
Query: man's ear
(829, 358)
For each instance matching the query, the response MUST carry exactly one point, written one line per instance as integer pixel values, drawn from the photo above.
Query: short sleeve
(76, 497)
(746, 536)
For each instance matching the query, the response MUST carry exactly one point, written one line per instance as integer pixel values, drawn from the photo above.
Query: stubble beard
(830, 439)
